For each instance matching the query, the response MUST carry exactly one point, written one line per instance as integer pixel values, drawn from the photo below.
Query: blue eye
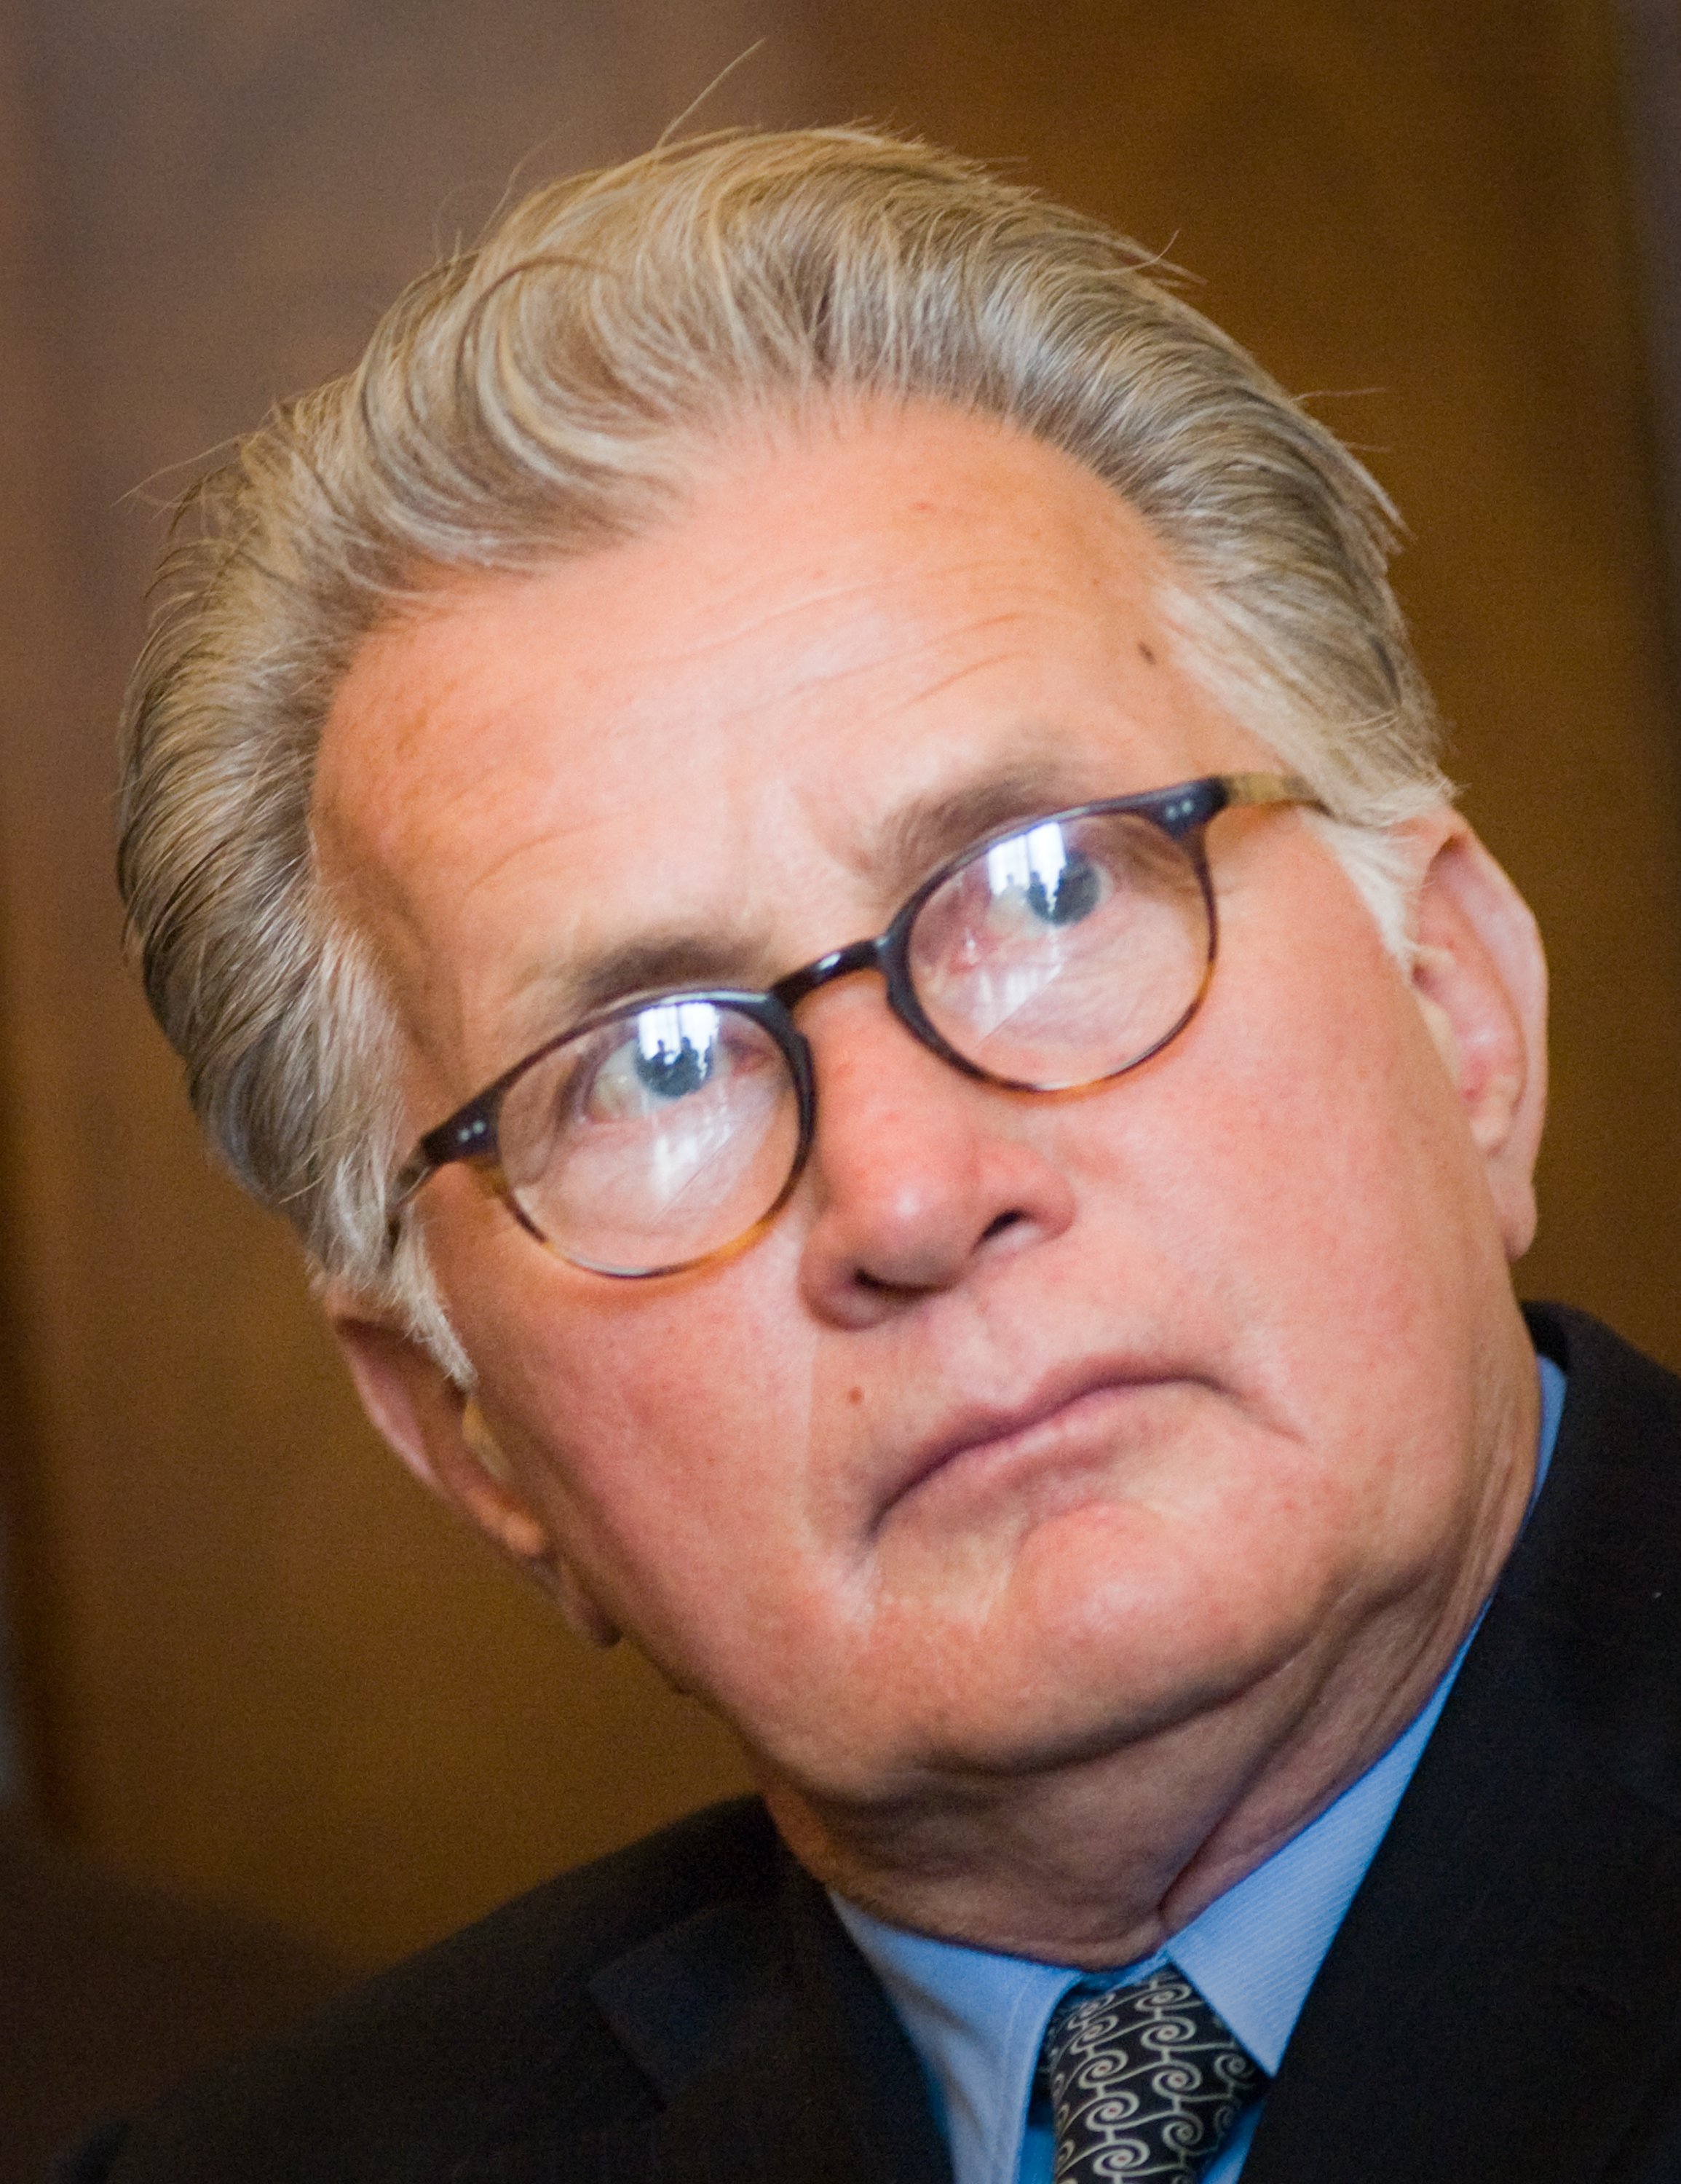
(666, 1053)
(1038, 878)
(670, 1072)
(1068, 895)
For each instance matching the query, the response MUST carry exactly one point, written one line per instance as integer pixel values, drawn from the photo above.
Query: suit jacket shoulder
(689, 2009)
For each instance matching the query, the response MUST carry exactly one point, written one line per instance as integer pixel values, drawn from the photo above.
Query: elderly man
(799, 832)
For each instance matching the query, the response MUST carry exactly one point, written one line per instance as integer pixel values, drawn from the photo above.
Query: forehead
(720, 727)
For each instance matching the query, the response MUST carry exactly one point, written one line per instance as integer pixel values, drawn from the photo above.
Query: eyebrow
(651, 963)
(897, 853)
(908, 844)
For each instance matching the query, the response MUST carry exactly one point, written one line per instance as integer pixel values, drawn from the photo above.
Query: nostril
(866, 1280)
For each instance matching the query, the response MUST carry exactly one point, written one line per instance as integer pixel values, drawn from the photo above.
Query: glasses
(665, 1131)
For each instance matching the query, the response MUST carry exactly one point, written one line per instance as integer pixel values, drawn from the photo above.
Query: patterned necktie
(1144, 2082)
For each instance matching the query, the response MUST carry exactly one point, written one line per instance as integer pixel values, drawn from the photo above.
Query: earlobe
(1479, 974)
(442, 1435)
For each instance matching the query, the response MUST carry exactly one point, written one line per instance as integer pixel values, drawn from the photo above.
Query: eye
(1040, 878)
(1068, 895)
(670, 1072)
(663, 1055)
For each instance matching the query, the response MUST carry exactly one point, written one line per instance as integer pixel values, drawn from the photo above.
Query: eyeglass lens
(1064, 953)
(653, 1140)
(1054, 958)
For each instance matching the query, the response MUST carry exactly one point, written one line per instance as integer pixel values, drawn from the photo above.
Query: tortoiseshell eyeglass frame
(1183, 813)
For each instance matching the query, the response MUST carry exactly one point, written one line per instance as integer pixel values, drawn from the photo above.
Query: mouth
(1069, 1426)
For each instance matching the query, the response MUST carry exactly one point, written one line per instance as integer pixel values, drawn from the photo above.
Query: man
(799, 832)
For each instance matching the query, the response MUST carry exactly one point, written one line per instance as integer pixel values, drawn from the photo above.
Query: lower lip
(1056, 1461)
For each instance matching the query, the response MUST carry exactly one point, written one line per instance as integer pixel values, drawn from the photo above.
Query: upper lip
(979, 1425)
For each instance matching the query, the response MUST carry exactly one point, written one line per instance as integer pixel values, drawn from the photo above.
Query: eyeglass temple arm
(1270, 789)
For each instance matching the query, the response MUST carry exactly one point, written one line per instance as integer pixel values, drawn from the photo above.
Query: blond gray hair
(551, 393)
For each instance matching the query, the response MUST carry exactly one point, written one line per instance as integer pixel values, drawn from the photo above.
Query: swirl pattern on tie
(1144, 2082)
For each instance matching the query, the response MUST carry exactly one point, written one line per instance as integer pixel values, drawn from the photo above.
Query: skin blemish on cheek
(854, 1394)
(1145, 654)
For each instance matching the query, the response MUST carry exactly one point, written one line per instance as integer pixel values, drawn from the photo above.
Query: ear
(1480, 976)
(441, 1435)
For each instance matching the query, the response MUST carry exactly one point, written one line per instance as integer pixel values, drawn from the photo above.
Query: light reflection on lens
(1029, 864)
(674, 1046)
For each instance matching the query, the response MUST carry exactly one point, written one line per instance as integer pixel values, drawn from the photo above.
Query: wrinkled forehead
(836, 630)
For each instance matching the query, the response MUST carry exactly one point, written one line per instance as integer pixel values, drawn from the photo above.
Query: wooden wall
(255, 1661)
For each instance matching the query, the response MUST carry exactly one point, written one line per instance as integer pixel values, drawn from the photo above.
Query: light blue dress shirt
(977, 2020)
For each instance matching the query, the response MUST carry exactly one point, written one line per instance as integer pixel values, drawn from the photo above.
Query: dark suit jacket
(1503, 2000)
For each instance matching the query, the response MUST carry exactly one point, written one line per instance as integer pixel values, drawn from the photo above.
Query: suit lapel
(776, 2057)
(1509, 1978)
(1506, 1986)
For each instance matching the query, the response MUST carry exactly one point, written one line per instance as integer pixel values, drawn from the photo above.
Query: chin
(995, 1721)
(1107, 1627)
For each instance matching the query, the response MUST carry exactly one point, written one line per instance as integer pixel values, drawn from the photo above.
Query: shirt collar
(976, 2020)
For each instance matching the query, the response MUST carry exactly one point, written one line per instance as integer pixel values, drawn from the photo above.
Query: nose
(920, 1174)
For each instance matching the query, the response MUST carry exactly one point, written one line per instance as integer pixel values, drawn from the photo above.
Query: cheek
(661, 1429)
(1300, 1179)
(1320, 1142)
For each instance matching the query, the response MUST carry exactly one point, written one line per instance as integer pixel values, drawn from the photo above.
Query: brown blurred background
(250, 1661)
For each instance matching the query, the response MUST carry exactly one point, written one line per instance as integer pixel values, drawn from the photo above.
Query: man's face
(1032, 1424)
